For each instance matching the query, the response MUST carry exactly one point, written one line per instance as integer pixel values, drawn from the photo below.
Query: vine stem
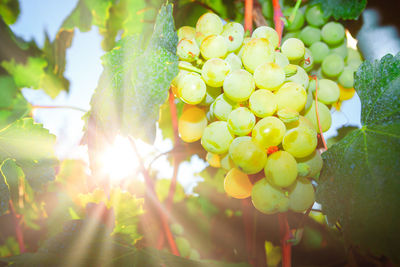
(277, 19)
(18, 230)
(285, 240)
(316, 111)
(51, 107)
(248, 15)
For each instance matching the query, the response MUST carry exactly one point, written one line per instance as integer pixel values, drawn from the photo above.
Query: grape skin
(262, 103)
(191, 124)
(241, 121)
(269, 76)
(268, 199)
(256, 52)
(281, 169)
(191, 88)
(217, 137)
(247, 155)
(291, 95)
(269, 131)
(301, 195)
(214, 72)
(237, 184)
(239, 85)
(300, 141)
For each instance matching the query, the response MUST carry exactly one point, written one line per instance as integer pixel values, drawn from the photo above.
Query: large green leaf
(360, 182)
(341, 9)
(32, 147)
(135, 81)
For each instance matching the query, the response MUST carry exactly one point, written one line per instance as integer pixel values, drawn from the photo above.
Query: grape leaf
(13, 175)
(32, 147)
(9, 10)
(359, 184)
(4, 194)
(341, 9)
(135, 81)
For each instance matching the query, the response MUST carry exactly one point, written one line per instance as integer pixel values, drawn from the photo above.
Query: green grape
(319, 51)
(194, 255)
(210, 115)
(214, 71)
(346, 78)
(226, 162)
(290, 35)
(176, 229)
(354, 64)
(281, 169)
(297, 22)
(328, 91)
(217, 137)
(310, 96)
(324, 116)
(239, 52)
(300, 141)
(213, 159)
(310, 35)
(280, 59)
(234, 61)
(187, 50)
(237, 184)
(256, 52)
(209, 24)
(301, 77)
(186, 32)
(191, 88)
(291, 95)
(332, 65)
(302, 121)
(268, 131)
(269, 199)
(249, 157)
(288, 115)
(314, 16)
(211, 94)
(269, 76)
(301, 195)
(333, 33)
(222, 107)
(293, 48)
(183, 246)
(191, 124)
(308, 61)
(214, 46)
(340, 49)
(263, 103)
(268, 33)
(234, 34)
(314, 162)
(239, 85)
(241, 121)
(353, 54)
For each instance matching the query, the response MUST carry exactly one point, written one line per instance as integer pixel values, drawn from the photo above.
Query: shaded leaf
(4, 194)
(359, 184)
(13, 175)
(341, 9)
(9, 10)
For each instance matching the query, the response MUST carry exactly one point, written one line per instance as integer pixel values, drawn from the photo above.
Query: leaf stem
(187, 67)
(248, 15)
(64, 106)
(285, 240)
(18, 230)
(316, 111)
(278, 19)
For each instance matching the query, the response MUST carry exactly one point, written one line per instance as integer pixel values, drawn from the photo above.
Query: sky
(83, 70)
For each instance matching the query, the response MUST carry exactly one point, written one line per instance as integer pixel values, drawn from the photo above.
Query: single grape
(176, 229)
(248, 156)
(268, 131)
(222, 107)
(310, 35)
(301, 77)
(328, 91)
(241, 121)
(333, 33)
(191, 124)
(217, 137)
(187, 50)
(281, 169)
(178, 77)
(237, 184)
(288, 115)
(319, 51)
(268, 33)
(234, 34)
(256, 52)
(302, 121)
(234, 61)
(209, 24)
(300, 141)
(332, 65)
(291, 95)
(268, 199)
(307, 63)
(269, 76)
(186, 32)
(301, 195)
(214, 72)
(314, 16)
(239, 85)
(263, 103)
(346, 78)
(226, 162)
(280, 59)
(213, 159)
(297, 22)
(324, 116)
(293, 48)
(191, 88)
(214, 46)
(314, 161)
(183, 246)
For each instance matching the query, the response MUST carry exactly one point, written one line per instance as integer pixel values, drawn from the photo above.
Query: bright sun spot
(119, 159)
(351, 41)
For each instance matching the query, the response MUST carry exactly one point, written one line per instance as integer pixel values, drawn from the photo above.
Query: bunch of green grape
(250, 103)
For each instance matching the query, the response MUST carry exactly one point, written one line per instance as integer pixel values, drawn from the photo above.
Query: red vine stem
(277, 18)
(248, 15)
(18, 230)
(316, 111)
(285, 240)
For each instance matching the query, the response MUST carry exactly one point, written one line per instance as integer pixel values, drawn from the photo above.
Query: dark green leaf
(341, 9)
(13, 175)
(360, 182)
(9, 10)
(17, 108)
(4, 194)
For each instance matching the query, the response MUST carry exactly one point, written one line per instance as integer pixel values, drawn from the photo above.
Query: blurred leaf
(26, 75)
(162, 190)
(8, 90)
(10, 247)
(341, 9)
(213, 177)
(9, 10)
(17, 108)
(4, 194)
(359, 184)
(32, 147)
(13, 175)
